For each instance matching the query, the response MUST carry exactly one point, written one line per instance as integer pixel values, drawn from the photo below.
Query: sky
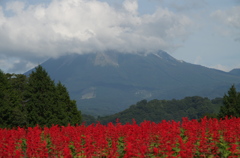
(203, 32)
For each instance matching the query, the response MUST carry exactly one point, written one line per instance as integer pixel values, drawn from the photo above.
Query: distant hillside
(235, 72)
(158, 110)
(107, 83)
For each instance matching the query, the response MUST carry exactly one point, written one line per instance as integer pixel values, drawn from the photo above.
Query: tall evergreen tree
(47, 103)
(231, 103)
(3, 83)
(4, 107)
(40, 96)
(9, 102)
(18, 83)
(35, 100)
(68, 113)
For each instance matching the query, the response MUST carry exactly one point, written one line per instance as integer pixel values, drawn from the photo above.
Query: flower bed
(188, 138)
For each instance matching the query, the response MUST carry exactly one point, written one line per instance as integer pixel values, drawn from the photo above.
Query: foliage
(231, 103)
(27, 101)
(12, 87)
(157, 110)
(188, 138)
(88, 119)
(41, 103)
(5, 110)
(68, 107)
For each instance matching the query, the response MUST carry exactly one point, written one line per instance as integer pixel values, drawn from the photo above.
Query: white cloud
(221, 67)
(229, 17)
(16, 7)
(82, 26)
(131, 6)
(198, 60)
(14, 65)
(229, 21)
(224, 67)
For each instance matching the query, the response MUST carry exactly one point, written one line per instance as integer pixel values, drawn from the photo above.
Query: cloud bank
(230, 18)
(83, 26)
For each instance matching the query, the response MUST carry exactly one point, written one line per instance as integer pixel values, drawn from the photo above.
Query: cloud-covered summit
(32, 31)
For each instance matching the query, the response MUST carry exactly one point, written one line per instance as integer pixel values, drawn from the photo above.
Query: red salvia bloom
(188, 138)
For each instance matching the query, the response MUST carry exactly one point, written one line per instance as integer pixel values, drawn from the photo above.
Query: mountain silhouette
(109, 82)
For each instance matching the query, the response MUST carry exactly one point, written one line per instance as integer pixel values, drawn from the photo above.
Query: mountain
(106, 83)
(235, 72)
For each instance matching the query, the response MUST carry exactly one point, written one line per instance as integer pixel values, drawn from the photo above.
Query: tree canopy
(36, 99)
(157, 110)
(231, 101)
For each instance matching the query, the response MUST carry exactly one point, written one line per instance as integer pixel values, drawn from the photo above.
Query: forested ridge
(192, 107)
(157, 110)
(36, 99)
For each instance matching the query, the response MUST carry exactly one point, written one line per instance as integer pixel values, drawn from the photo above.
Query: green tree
(18, 83)
(74, 115)
(4, 107)
(231, 103)
(10, 103)
(40, 95)
(67, 108)
(47, 103)
(27, 101)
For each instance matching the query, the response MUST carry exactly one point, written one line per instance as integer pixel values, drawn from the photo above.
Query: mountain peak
(164, 55)
(106, 83)
(104, 59)
(112, 58)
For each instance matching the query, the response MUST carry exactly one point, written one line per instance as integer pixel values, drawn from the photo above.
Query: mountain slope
(106, 83)
(235, 72)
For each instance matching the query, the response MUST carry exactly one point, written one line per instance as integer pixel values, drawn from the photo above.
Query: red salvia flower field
(188, 138)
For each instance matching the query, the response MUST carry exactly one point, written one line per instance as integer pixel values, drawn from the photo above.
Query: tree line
(156, 110)
(35, 99)
(194, 107)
